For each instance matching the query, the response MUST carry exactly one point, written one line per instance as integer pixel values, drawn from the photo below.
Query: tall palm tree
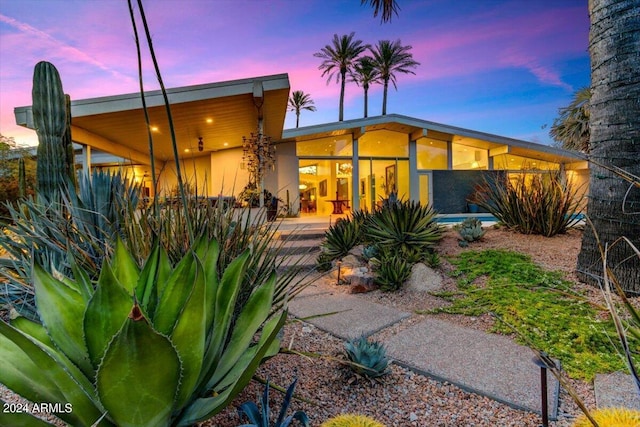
(571, 128)
(615, 134)
(363, 74)
(392, 58)
(300, 101)
(338, 59)
(389, 8)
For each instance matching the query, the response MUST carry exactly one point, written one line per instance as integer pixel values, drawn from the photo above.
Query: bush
(543, 203)
(340, 238)
(610, 417)
(392, 269)
(351, 420)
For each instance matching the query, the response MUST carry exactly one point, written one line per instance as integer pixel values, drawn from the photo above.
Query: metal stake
(543, 388)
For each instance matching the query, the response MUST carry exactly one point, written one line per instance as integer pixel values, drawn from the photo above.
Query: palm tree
(615, 131)
(338, 59)
(300, 101)
(389, 7)
(364, 73)
(571, 128)
(392, 58)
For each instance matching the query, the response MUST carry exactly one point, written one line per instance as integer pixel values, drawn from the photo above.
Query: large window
(511, 162)
(432, 153)
(383, 143)
(470, 158)
(330, 146)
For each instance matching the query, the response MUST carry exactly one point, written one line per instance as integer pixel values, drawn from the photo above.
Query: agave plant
(406, 228)
(368, 358)
(351, 420)
(151, 346)
(340, 238)
(260, 417)
(392, 269)
(471, 230)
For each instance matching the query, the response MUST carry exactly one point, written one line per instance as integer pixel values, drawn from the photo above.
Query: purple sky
(503, 67)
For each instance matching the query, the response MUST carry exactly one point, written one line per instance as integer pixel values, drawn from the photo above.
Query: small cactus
(351, 420)
(369, 358)
(471, 230)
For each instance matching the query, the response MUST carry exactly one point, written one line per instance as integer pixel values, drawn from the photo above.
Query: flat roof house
(324, 168)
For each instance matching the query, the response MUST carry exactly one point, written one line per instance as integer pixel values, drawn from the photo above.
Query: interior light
(209, 120)
(154, 128)
(186, 150)
(475, 165)
(302, 186)
(226, 144)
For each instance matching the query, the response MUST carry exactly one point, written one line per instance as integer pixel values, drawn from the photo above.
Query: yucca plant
(351, 420)
(406, 228)
(151, 346)
(260, 417)
(368, 358)
(545, 203)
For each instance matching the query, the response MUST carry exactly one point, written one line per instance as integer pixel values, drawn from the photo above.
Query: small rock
(424, 279)
(413, 417)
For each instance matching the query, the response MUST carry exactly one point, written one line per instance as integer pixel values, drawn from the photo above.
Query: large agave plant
(151, 346)
(406, 228)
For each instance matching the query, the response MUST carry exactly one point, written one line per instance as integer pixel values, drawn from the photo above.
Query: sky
(498, 66)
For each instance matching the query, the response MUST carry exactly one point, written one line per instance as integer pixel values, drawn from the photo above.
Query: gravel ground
(404, 398)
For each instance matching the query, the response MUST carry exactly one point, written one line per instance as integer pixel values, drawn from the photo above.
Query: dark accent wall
(452, 187)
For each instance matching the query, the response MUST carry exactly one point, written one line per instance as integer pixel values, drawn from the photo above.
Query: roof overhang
(417, 128)
(220, 113)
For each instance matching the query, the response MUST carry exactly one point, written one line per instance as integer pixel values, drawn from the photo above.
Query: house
(323, 169)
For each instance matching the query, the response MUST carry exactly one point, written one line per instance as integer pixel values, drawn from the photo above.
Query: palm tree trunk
(384, 97)
(297, 118)
(366, 102)
(342, 83)
(615, 132)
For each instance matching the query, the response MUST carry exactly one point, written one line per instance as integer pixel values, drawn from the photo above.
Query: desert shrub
(351, 420)
(543, 203)
(610, 417)
(369, 358)
(392, 269)
(340, 238)
(406, 228)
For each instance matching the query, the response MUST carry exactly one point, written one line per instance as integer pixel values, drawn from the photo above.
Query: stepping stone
(616, 389)
(355, 316)
(486, 364)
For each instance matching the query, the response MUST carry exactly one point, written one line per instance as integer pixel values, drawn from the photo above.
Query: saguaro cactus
(50, 119)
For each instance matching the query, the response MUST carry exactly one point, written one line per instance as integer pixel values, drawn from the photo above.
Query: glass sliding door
(378, 178)
(325, 186)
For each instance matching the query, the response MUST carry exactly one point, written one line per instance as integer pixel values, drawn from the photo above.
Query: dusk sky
(497, 66)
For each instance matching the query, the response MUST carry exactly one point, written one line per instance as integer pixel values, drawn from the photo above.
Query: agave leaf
(37, 376)
(82, 278)
(124, 267)
(20, 419)
(237, 379)
(106, 312)
(227, 293)
(139, 375)
(62, 310)
(174, 296)
(32, 329)
(189, 335)
(153, 278)
(248, 323)
(210, 263)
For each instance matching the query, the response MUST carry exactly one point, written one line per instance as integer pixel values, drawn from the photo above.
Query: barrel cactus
(152, 346)
(51, 121)
(351, 420)
(610, 417)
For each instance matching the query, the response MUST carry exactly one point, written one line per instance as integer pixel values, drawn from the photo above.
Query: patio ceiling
(220, 113)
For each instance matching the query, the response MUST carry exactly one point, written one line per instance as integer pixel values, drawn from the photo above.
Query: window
(431, 153)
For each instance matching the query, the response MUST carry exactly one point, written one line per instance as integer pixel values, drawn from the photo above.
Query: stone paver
(355, 316)
(616, 389)
(487, 364)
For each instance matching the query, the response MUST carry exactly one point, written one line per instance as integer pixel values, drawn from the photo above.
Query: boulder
(351, 261)
(424, 278)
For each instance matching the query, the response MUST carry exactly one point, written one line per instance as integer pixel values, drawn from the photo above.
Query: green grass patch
(540, 305)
